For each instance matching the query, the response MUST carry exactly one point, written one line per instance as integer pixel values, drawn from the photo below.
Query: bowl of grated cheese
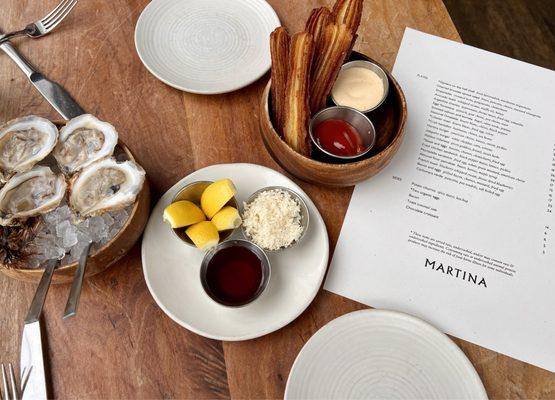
(275, 218)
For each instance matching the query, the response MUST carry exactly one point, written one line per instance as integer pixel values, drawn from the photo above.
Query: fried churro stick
(348, 12)
(316, 24)
(297, 111)
(279, 49)
(338, 41)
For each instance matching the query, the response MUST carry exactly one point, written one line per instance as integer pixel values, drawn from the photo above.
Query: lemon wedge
(227, 218)
(183, 213)
(204, 235)
(216, 195)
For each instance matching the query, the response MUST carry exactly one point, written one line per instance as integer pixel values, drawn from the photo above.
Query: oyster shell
(23, 143)
(106, 185)
(84, 140)
(30, 193)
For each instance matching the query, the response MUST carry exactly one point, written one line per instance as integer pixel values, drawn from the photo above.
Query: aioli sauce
(359, 88)
(339, 137)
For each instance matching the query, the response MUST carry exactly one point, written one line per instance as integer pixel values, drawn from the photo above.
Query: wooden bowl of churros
(315, 73)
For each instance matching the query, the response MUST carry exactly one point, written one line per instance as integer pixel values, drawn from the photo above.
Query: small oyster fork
(45, 25)
(12, 392)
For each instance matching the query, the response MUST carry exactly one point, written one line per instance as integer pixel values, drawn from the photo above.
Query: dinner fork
(45, 25)
(11, 391)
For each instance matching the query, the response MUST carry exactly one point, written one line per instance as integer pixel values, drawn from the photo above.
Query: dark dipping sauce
(339, 138)
(234, 275)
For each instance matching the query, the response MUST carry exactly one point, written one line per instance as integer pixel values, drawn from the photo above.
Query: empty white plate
(206, 46)
(378, 354)
(172, 269)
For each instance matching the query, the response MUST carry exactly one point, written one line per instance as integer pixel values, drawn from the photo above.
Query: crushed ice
(63, 236)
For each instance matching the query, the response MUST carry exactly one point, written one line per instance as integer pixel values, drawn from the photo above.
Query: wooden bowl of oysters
(65, 185)
(330, 115)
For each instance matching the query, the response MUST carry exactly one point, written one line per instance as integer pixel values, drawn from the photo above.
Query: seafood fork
(12, 391)
(45, 25)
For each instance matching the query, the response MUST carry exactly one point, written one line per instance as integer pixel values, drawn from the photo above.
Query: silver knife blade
(32, 358)
(56, 95)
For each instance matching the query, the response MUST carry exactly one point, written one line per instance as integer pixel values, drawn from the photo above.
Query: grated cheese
(273, 219)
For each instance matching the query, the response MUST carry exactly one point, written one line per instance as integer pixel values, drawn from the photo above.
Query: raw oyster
(30, 193)
(23, 143)
(84, 140)
(106, 185)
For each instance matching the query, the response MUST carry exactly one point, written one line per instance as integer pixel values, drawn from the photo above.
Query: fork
(12, 390)
(45, 25)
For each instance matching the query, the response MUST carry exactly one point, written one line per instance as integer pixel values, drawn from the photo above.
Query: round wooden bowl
(108, 254)
(389, 120)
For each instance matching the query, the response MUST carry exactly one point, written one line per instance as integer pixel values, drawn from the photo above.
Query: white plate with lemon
(172, 268)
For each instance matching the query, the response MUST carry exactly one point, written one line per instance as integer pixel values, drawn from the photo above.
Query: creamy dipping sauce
(359, 88)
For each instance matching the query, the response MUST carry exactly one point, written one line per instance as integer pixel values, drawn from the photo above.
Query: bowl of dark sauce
(235, 273)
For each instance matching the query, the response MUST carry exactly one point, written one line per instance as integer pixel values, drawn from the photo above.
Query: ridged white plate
(377, 354)
(172, 269)
(206, 46)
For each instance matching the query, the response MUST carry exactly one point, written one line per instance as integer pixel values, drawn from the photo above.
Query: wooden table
(122, 345)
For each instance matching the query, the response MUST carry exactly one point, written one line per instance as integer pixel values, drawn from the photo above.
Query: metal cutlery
(44, 25)
(12, 391)
(51, 91)
(32, 357)
(37, 303)
(32, 361)
(75, 292)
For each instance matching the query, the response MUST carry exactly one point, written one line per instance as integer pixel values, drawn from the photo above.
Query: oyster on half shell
(84, 140)
(30, 193)
(24, 142)
(106, 185)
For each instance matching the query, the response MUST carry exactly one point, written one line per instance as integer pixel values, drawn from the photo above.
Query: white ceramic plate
(172, 269)
(206, 46)
(377, 354)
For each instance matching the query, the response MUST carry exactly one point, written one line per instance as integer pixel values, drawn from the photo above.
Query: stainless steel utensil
(51, 91)
(75, 293)
(9, 392)
(32, 362)
(37, 303)
(44, 25)
(31, 358)
(12, 392)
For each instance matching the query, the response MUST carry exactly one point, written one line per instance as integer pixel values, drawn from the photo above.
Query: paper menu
(459, 229)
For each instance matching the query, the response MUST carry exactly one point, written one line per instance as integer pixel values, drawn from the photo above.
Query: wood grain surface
(121, 345)
(521, 29)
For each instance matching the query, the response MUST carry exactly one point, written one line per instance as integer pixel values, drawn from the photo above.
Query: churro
(338, 41)
(305, 67)
(348, 12)
(316, 24)
(297, 111)
(279, 49)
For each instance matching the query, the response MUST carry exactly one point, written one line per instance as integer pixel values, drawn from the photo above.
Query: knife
(32, 356)
(55, 94)
(32, 360)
